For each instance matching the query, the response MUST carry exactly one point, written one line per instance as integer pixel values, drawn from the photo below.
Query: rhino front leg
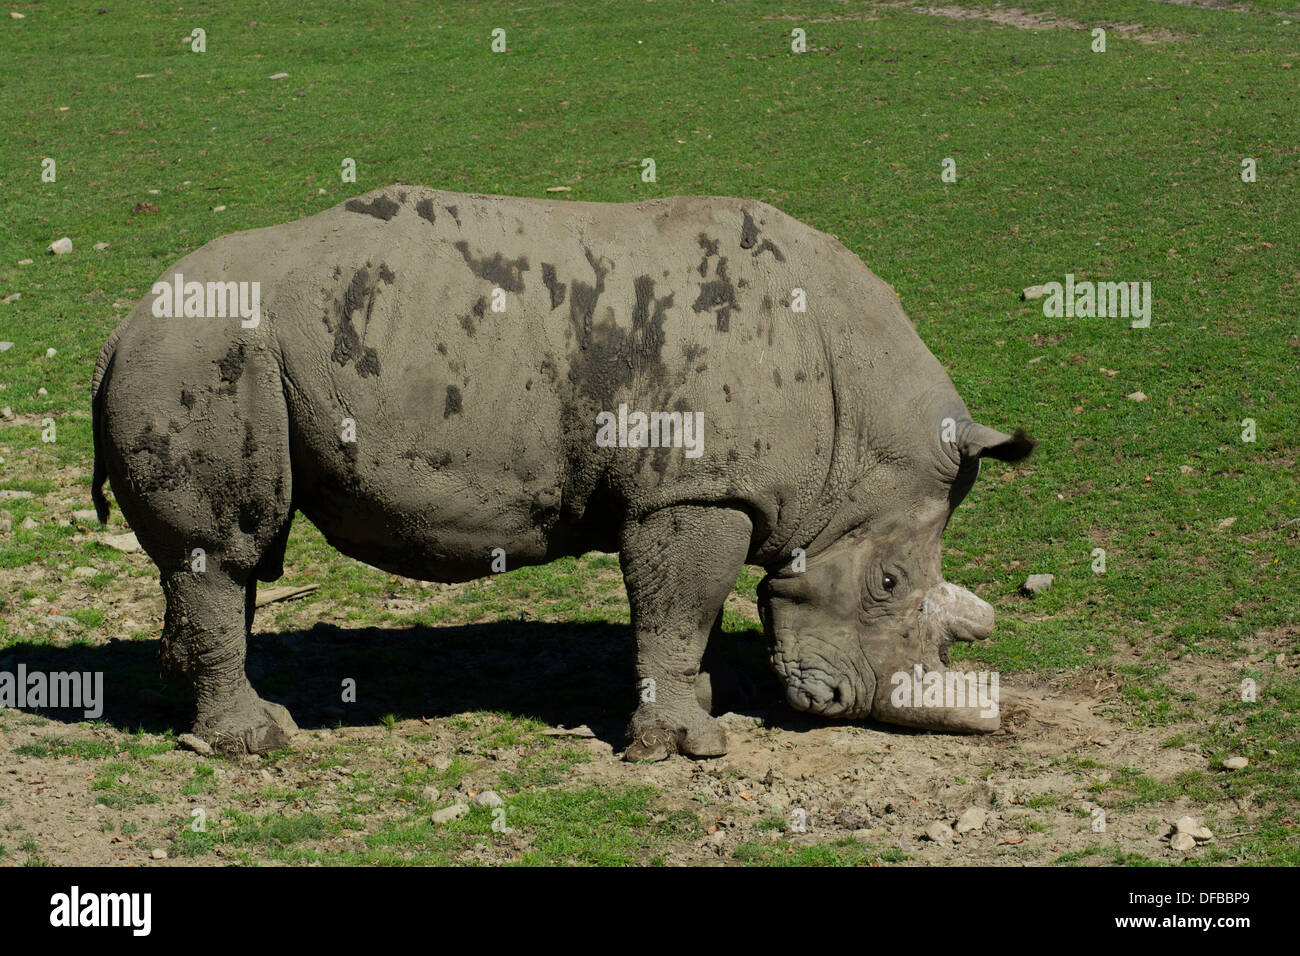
(204, 643)
(679, 565)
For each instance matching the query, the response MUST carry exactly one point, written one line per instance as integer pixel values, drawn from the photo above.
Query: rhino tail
(102, 366)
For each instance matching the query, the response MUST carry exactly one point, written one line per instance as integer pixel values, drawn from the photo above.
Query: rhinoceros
(444, 383)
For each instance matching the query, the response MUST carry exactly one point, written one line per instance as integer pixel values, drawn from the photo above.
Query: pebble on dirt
(197, 744)
(488, 798)
(1187, 832)
(938, 832)
(122, 542)
(1236, 763)
(60, 246)
(973, 819)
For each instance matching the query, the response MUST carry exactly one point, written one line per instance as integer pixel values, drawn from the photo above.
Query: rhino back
(474, 425)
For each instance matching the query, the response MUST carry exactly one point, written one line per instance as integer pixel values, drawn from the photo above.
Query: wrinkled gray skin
(476, 430)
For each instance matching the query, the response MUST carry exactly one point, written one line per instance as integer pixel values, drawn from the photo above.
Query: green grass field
(1117, 166)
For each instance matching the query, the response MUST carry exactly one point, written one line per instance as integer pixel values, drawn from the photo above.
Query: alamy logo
(60, 689)
(208, 300)
(946, 689)
(656, 430)
(1098, 300)
(74, 909)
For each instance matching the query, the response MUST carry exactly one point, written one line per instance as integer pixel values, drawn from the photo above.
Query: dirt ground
(1029, 793)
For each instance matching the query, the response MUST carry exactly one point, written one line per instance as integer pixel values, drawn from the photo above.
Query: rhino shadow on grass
(557, 673)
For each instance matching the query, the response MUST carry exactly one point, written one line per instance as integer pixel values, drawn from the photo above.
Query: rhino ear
(980, 441)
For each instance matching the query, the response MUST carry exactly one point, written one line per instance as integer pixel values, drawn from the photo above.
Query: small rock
(973, 819)
(11, 297)
(51, 352)
(431, 793)
(453, 812)
(197, 744)
(124, 778)
(62, 620)
(84, 572)
(159, 854)
(441, 763)
(15, 15)
(1236, 763)
(1227, 523)
(1037, 583)
(42, 391)
(488, 798)
(1136, 396)
(279, 76)
(60, 247)
(7, 413)
(100, 246)
(28, 523)
(6, 346)
(1186, 469)
(122, 542)
(1182, 842)
(1193, 828)
(6, 523)
(6, 493)
(218, 208)
(85, 514)
(938, 832)
(1033, 292)
(718, 838)
(26, 262)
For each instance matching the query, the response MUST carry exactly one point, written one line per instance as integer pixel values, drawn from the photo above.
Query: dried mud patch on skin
(1026, 20)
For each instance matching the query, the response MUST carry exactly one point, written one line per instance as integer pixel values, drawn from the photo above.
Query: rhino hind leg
(205, 643)
(679, 565)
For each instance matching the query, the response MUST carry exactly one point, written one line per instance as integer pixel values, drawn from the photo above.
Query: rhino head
(864, 629)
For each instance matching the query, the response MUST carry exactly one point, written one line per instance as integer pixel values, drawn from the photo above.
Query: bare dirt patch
(1028, 20)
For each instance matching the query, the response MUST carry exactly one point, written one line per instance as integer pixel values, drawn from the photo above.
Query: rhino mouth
(820, 688)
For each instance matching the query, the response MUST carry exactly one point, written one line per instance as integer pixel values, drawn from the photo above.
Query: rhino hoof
(702, 737)
(267, 727)
(656, 744)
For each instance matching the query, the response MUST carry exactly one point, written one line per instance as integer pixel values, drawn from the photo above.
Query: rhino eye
(888, 582)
